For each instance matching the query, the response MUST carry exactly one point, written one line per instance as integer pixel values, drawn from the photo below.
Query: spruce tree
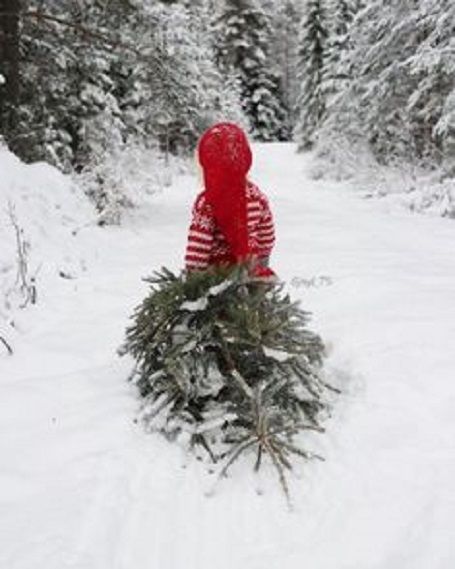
(340, 14)
(229, 365)
(9, 63)
(244, 38)
(95, 77)
(285, 21)
(431, 103)
(312, 100)
(397, 92)
(67, 108)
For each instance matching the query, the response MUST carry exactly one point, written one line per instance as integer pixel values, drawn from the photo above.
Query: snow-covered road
(82, 487)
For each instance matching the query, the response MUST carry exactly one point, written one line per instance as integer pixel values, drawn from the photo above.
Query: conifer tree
(285, 21)
(229, 365)
(312, 100)
(67, 100)
(244, 40)
(340, 14)
(9, 63)
(96, 76)
(397, 95)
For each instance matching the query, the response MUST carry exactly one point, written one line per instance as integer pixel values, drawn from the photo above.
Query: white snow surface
(53, 217)
(83, 487)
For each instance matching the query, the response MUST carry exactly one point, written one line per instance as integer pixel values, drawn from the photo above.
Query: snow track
(82, 487)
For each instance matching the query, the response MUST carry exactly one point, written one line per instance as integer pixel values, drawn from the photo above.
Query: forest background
(94, 86)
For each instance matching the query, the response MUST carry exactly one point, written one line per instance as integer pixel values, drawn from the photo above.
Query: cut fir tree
(228, 363)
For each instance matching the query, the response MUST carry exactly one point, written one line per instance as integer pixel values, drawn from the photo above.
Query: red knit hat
(225, 157)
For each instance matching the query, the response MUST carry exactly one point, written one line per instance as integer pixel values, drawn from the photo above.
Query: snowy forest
(83, 81)
(157, 416)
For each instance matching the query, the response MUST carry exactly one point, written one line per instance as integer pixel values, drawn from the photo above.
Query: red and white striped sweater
(208, 247)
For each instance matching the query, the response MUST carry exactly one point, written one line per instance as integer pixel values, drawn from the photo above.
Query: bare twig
(25, 282)
(9, 349)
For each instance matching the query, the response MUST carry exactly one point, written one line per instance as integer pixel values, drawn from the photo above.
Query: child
(232, 222)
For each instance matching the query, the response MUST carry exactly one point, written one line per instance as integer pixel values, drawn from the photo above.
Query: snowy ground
(82, 487)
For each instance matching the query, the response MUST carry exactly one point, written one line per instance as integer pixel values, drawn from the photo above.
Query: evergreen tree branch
(280, 470)
(86, 33)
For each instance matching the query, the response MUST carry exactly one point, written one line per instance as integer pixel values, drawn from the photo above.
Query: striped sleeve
(200, 236)
(266, 230)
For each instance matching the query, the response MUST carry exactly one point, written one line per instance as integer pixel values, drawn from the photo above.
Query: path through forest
(84, 488)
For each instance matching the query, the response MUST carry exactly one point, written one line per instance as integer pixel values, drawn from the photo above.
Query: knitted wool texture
(225, 156)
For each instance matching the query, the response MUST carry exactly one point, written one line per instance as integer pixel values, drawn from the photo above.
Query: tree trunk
(9, 62)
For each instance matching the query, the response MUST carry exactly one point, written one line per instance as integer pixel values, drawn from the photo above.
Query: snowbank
(422, 192)
(83, 487)
(401, 186)
(129, 176)
(42, 214)
(52, 230)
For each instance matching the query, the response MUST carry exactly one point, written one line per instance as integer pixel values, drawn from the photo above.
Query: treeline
(81, 76)
(78, 77)
(382, 74)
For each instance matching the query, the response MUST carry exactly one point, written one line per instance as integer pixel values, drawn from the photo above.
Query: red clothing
(225, 156)
(207, 246)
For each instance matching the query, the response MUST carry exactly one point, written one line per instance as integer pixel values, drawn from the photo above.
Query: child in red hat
(232, 222)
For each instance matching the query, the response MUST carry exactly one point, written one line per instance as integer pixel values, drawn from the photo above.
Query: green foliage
(313, 51)
(230, 362)
(244, 37)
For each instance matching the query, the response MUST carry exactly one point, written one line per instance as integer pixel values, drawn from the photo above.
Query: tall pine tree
(396, 93)
(340, 16)
(9, 63)
(244, 37)
(312, 100)
(285, 20)
(96, 76)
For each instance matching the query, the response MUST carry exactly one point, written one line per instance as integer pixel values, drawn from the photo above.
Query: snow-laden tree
(285, 18)
(97, 75)
(168, 90)
(431, 103)
(340, 14)
(311, 104)
(188, 90)
(9, 63)
(68, 109)
(244, 38)
(401, 69)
